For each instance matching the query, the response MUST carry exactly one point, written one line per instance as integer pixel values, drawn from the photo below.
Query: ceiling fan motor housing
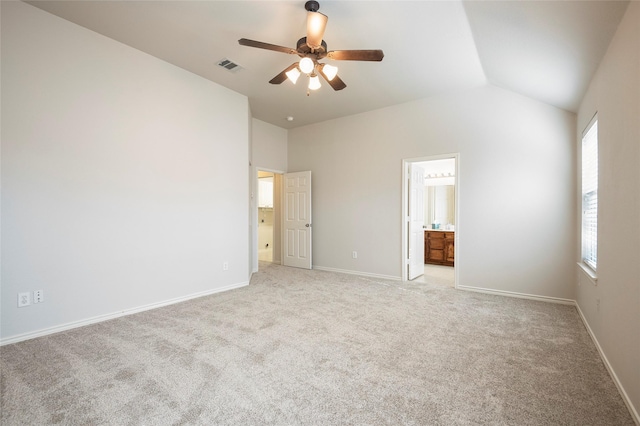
(303, 49)
(312, 6)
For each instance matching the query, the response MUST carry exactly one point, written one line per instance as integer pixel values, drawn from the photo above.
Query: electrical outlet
(24, 299)
(225, 266)
(354, 254)
(38, 296)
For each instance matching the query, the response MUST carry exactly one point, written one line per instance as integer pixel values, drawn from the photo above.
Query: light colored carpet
(315, 347)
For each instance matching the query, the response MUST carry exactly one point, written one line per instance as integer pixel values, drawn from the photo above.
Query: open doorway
(265, 216)
(437, 213)
(268, 217)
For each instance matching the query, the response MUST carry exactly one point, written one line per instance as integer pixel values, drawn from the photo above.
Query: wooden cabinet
(439, 247)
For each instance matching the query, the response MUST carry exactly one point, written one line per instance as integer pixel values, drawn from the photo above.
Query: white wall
(516, 187)
(124, 178)
(269, 152)
(269, 146)
(614, 93)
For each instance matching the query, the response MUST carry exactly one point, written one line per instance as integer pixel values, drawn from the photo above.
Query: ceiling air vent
(229, 65)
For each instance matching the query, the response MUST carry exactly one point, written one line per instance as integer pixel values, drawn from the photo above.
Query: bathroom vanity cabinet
(439, 247)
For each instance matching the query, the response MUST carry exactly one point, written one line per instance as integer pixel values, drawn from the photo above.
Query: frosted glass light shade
(314, 82)
(330, 71)
(306, 65)
(293, 75)
(316, 24)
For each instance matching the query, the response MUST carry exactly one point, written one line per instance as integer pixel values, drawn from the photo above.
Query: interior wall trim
(518, 295)
(363, 274)
(625, 397)
(107, 317)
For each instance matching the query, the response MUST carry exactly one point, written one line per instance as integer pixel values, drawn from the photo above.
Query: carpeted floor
(315, 347)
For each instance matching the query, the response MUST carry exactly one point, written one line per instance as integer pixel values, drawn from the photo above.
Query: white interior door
(416, 221)
(297, 220)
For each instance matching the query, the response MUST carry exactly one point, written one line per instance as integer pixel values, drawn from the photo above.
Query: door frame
(415, 224)
(405, 211)
(254, 212)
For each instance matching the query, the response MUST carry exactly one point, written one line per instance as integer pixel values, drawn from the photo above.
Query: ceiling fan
(311, 49)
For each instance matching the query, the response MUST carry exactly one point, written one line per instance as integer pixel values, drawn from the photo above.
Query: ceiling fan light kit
(316, 24)
(314, 82)
(306, 65)
(311, 49)
(329, 71)
(293, 75)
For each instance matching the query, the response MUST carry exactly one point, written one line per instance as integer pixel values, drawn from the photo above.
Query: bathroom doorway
(439, 214)
(267, 241)
(265, 216)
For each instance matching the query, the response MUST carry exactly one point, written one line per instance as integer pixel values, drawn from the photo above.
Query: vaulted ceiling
(546, 50)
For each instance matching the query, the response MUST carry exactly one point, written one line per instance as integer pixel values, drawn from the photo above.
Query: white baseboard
(364, 274)
(612, 373)
(614, 377)
(518, 295)
(106, 317)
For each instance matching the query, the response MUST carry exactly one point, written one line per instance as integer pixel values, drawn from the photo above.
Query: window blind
(590, 196)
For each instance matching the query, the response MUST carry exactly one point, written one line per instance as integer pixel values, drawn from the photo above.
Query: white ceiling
(547, 50)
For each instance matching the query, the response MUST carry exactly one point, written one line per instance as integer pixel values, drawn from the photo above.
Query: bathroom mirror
(439, 205)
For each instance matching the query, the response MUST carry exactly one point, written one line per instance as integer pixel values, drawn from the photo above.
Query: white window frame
(589, 196)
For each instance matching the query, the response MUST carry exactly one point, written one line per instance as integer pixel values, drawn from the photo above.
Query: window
(590, 195)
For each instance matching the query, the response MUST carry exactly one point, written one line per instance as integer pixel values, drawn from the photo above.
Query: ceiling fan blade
(267, 46)
(336, 82)
(316, 24)
(278, 79)
(356, 55)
